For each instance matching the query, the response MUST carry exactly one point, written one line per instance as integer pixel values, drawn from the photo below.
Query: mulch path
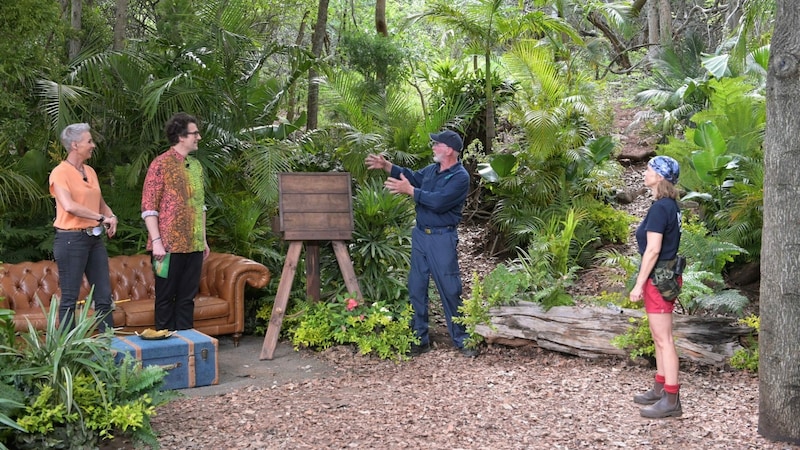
(507, 398)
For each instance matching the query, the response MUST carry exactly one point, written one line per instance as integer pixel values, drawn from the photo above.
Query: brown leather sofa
(218, 310)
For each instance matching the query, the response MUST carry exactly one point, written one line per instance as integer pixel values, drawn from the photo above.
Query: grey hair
(72, 133)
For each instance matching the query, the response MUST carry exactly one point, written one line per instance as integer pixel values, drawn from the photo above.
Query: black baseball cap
(450, 139)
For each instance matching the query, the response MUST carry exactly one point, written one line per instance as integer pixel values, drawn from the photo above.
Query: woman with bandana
(658, 237)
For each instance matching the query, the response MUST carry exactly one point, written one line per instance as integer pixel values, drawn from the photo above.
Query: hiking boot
(651, 396)
(469, 352)
(417, 350)
(668, 406)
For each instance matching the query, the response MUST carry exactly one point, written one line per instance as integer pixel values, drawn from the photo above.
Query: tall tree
(76, 12)
(120, 23)
(380, 18)
(317, 41)
(779, 338)
(665, 22)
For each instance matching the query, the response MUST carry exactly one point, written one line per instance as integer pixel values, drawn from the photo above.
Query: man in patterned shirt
(174, 213)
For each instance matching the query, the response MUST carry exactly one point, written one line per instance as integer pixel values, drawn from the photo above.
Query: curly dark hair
(178, 126)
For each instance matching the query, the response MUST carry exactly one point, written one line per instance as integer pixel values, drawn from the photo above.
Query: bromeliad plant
(373, 327)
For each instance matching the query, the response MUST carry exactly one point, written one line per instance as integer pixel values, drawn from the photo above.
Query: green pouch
(665, 278)
(161, 268)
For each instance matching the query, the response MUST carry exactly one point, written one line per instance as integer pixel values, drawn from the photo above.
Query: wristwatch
(101, 219)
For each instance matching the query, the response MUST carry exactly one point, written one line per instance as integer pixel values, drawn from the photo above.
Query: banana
(150, 333)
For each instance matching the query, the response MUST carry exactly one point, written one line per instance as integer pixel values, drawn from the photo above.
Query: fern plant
(550, 261)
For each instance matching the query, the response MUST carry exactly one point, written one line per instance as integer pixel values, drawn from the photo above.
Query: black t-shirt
(664, 217)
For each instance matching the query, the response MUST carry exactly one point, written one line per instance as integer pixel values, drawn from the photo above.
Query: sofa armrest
(225, 276)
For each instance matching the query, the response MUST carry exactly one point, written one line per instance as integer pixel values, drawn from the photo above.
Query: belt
(437, 230)
(91, 231)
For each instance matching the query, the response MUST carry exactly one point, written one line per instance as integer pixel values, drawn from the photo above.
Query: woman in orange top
(82, 216)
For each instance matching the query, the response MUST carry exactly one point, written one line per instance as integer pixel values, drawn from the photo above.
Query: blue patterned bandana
(666, 167)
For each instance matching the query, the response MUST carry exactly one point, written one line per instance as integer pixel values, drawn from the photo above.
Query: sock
(660, 378)
(672, 388)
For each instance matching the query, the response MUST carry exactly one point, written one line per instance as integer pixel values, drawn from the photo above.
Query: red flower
(351, 304)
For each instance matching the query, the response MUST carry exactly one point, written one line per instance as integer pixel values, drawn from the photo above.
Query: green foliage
(613, 224)
(381, 244)
(126, 202)
(500, 287)
(34, 38)
(676, 88)
(637, 340)
(550, 261)
(615, 300)
(295, 312)
(722, 162)
(378, 58)
(747, 358)
(241, 226)
(703, 287)
(374, 328)
(710, 251)
(74, 393)
(628, 263)
(727, 301)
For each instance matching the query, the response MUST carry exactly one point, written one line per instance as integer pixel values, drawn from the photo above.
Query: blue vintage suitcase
(189, 356)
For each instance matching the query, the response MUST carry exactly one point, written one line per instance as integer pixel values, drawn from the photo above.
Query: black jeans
(175, 294)
(77, 254)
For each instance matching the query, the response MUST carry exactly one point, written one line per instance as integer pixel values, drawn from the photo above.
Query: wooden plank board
(298, 202)
(316, 206)
(314, 182)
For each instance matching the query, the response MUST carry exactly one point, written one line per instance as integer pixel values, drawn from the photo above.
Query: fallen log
(586, 331)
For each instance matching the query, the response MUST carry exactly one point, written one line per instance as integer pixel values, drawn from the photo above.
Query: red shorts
(654, 303)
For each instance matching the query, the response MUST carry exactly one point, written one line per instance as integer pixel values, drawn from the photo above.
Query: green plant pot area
(61, 389)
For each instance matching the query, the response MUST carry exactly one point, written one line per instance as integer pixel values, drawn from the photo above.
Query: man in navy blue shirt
(439, 192)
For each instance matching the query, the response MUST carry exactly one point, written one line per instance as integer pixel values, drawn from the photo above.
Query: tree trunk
(587, 331)
(616, 43)
(380, 18)
(120, 24)
(653, 30)
(75, 21)
(733, 17)
(290, 108)
(489, 90)
(317, 41)
(665, 23)
(779, 338)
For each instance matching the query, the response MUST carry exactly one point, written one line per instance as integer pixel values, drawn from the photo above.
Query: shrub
(747, 358)
(637, 340)
(376, 327)
(500, 287)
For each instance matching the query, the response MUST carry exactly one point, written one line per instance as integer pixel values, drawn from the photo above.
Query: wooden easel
(314, 207)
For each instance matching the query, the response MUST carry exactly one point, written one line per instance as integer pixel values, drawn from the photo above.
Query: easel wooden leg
(313, 282)
(281, 300)
(346, 266)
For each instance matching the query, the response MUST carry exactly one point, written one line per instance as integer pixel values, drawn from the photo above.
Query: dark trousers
(77, 254)
(435, 255)
(174, 308)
